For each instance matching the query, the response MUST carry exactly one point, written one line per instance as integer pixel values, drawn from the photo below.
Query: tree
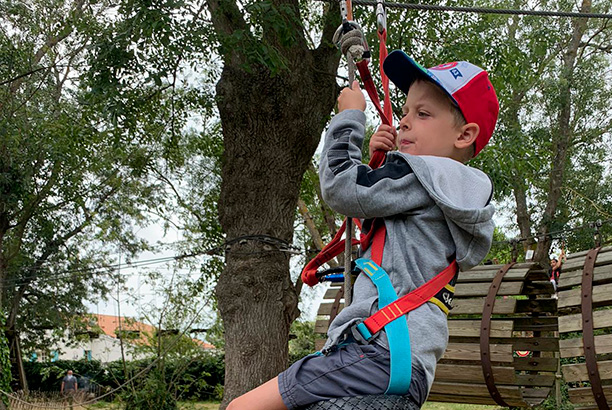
(86, 119)
(274, 96)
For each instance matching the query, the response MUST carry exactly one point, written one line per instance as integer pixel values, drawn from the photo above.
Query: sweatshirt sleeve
(356, 190)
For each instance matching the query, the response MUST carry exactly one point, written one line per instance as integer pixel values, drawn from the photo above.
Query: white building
(103, 341)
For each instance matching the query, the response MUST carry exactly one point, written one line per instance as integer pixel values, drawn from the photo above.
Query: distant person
(555, 268)
(69, 383)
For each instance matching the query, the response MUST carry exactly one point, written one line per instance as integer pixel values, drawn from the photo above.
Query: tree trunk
(12, 337)
(271, 127)
(563, 140)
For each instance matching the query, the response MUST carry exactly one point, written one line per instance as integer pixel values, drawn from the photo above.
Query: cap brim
(403, 71)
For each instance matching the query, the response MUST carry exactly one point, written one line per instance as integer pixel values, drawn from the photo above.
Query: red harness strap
(412, 300)
(336, 246)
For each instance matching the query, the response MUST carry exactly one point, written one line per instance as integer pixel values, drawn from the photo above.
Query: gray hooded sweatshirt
(435, 210)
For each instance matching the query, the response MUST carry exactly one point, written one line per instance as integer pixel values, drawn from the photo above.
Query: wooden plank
(535, 396)
(457, 398)
(601, 274)
(582, 254)
(474, 306)
(471, 351)
(573, 323)
(331, 292)
(503, 306)
(538, 344)
(536, 306)
(536, 324)
(574, 347)
(471, 389)
(482, 289)
(537, 274)
(603, 258)
(486, 275)
(473, 374)
(533, 380)
(581, 395)
(539, 288)
(602, 294)
(578, 372)
(319, 343)
(471, 328)
(540, 394)
(321, 326)
(325, 308)
(536, 364)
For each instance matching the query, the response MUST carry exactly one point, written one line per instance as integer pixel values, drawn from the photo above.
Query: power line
(481, 10)
(271, 244)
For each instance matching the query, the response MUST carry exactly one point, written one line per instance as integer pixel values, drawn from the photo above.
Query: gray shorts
(349, 370)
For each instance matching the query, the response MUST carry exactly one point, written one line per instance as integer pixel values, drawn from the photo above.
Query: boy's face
(428, 126)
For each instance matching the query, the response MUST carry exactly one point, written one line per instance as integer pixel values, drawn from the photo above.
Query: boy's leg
(265, 397)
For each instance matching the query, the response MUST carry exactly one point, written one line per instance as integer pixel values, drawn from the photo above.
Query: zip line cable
(552, 235)
(280, 245)
(480, 10)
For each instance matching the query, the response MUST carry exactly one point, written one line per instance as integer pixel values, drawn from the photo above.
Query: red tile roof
(110, 326)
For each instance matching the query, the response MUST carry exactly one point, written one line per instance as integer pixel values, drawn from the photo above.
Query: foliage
(501, 249)
(5, 364)
(302, 341)
(200, 379)
(96, 100)
(524, 56)
(151, 393)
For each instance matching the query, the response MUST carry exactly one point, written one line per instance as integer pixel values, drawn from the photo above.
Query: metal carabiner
(381, 16)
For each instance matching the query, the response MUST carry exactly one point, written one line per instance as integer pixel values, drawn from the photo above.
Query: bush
(5, 366)
(154, 393)
(200, 378)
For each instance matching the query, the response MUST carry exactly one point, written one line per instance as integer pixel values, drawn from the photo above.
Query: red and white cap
(467, 85)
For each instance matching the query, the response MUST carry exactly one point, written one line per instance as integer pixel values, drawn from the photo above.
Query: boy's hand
(384, 139)
(351, 98)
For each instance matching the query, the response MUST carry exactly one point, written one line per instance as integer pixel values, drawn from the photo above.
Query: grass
(215, 406)
(457, 406)
(181, 406)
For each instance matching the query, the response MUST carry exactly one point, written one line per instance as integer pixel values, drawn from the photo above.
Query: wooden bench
(480, 365)
(585, 319)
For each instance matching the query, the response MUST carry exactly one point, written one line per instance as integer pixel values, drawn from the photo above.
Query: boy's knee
(232, 405)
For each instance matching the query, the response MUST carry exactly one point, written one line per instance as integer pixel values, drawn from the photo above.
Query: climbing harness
(392, 308)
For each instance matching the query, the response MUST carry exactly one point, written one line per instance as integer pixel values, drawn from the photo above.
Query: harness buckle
(361, 334)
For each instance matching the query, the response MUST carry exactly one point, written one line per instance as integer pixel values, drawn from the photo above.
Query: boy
(435, 210)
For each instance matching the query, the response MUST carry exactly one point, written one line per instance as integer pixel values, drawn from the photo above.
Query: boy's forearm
(341, 153)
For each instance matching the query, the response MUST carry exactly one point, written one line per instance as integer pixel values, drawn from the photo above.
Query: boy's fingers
(355, 85)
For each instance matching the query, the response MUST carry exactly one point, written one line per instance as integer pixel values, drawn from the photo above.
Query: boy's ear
(467, 136)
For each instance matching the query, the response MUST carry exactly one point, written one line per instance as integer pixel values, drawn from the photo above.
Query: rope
(480, 10)
(351, 45)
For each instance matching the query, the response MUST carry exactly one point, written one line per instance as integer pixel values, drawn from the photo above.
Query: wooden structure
(585, 326)
(499, 310)
(333, 302)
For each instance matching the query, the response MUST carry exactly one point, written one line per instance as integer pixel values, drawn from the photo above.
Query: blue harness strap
(397, 330)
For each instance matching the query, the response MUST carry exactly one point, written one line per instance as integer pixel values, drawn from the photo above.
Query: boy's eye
(423, 114)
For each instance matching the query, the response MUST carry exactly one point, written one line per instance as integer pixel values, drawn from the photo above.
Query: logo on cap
(445, 66)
